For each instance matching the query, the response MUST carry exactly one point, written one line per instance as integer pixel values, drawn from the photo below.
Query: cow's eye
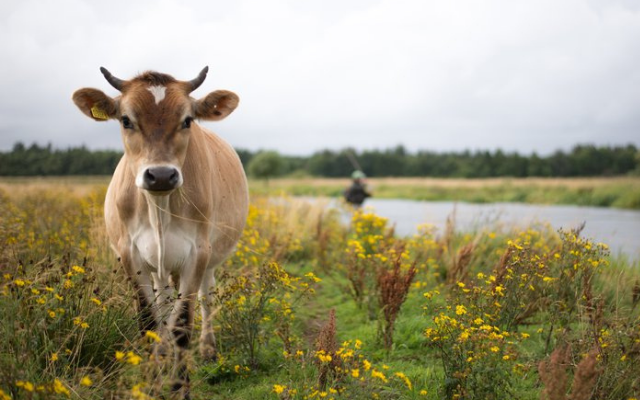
(126, 122)
(186, 124)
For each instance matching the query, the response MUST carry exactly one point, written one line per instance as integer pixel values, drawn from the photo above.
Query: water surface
(620, 229)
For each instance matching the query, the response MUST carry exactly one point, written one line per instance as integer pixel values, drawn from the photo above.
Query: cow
(177, 202)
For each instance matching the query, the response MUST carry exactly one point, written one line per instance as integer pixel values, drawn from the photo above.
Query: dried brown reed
(585, 378)
(327, 345)
(393, 287)
(459, 267)
(553, 373)
(635, 294)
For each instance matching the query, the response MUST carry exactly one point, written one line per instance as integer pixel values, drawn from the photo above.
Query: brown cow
(177, 202)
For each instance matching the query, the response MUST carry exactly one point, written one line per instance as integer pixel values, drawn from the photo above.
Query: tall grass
(311, 308)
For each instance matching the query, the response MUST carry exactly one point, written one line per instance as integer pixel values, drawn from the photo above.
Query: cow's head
(156, 114)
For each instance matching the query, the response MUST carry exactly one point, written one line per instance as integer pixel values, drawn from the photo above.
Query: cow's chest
(178, 245)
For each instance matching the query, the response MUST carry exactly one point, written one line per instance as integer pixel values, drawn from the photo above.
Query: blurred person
(357, 192)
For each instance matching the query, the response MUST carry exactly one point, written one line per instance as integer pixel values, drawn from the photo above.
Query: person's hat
(358, 175)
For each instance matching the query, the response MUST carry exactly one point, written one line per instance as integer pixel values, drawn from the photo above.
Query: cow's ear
(216, 105)
(95, 104)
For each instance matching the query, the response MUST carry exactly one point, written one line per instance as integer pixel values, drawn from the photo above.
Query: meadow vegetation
(599, 192)
(619, 192)
(313, 307)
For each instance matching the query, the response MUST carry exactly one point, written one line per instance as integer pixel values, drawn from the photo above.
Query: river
(620, 229)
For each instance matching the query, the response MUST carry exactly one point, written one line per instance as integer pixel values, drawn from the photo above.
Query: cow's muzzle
(161, 179)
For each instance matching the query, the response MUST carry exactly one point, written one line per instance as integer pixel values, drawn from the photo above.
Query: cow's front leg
(148, 318)
(207, 338)
(181, 319)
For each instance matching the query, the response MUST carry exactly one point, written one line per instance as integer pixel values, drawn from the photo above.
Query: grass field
(308, 308)
(600, 192)
(620, 192)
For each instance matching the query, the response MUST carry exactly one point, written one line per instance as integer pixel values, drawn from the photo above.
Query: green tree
(266, 165)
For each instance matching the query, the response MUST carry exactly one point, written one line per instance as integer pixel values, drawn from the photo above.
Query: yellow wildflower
(153, 336)
(35, 291)
(119, 355)
(495, 349)
(26, 385)
(96, 301)
(379, 375)
(405, 379)
(19, 282)
(4, 396)
(86, 381)
(423, 392)
(355, 373)
(133, 358)
(460, 310)
(54, 356)
(366, 364)
(59, 388)
(78, 269)
(52, 314)
(278, 389)
(324, 357)
(137, 393)
(311, 276)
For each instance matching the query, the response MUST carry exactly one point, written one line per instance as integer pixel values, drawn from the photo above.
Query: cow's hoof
(208, 353)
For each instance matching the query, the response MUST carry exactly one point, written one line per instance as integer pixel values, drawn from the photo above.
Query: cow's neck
(159, 217)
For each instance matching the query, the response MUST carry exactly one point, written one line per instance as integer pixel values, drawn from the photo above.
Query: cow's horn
(115, 82)
(195, 83)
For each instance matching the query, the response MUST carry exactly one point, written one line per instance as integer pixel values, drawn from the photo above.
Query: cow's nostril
(148, 177)
(173, 179)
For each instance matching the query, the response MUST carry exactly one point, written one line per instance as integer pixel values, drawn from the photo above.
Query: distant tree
(266, 165)
(582, 160)
(245, 156)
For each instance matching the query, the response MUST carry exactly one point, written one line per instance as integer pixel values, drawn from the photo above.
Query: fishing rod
(352, 159)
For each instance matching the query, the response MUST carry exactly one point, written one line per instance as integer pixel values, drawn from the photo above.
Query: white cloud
(431, 75)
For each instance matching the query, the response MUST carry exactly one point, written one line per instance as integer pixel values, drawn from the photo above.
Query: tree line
(581, 161)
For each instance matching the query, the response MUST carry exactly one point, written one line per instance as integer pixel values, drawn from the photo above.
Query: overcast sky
(440, 75)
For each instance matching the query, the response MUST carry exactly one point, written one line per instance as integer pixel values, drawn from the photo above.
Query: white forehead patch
(157, 92)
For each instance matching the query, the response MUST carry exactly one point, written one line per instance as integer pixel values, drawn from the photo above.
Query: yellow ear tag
(98, 113)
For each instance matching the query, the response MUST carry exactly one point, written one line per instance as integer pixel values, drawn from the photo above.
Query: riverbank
(620, 192)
